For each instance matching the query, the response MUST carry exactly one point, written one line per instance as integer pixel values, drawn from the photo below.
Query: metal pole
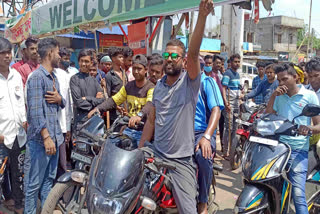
(96, 41)
(309, 30)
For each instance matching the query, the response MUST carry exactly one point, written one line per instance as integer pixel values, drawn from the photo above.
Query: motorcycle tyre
(235, 157)
(315, 210)
(54, 196)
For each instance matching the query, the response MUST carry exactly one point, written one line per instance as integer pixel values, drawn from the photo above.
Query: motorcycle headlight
(266, 128)
(100, 204)
(276, 168)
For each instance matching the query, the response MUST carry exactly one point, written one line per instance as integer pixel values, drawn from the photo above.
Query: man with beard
(171, 118)
(44, 132)
(33, 62)
(85, 90)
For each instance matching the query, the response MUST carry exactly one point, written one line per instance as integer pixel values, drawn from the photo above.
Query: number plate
(263, 141)
(80, 157)
(243, 122)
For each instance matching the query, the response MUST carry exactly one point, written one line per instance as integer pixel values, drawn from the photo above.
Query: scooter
(249, 112)
(267, 188)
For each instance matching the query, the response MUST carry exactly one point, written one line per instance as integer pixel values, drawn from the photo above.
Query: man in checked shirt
(44, 132)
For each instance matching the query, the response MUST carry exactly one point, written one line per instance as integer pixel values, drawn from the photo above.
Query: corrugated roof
(75, 36)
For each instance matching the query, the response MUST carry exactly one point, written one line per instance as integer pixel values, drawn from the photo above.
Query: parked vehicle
(69, 193)
(247, 73)
(267, 188)
(249, 112)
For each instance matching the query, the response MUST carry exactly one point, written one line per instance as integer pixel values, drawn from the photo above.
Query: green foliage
(301, 35)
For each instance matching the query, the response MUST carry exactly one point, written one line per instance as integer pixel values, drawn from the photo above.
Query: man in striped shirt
(231, 89)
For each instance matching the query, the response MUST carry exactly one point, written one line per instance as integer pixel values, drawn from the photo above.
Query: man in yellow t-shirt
(137, 93)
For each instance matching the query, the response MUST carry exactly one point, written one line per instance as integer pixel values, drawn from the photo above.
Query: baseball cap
(140, 59)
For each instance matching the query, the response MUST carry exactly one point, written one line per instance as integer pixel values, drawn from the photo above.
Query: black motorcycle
(267, 188)
(69, 193)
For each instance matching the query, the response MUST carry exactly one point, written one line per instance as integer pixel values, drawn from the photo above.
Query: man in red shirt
(25, 57)
(33, 62)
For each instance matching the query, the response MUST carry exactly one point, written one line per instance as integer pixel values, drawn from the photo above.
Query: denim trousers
(40, 171)
(205, 168)
(134, 135)
(298, 163)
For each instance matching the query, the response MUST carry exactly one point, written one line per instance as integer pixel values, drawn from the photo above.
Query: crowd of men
(182, 99)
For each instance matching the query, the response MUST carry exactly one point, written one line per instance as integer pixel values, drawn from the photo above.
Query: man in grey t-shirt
(171, 119)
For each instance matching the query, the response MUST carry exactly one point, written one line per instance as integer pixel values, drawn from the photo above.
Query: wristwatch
(206, 136)
(140, 114)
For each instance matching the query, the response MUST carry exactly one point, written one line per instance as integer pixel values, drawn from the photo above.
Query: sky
(292, 8)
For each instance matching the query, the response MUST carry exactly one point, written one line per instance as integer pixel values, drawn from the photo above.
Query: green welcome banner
(62, 14)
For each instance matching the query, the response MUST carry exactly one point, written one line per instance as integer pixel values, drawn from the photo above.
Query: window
(279, 38)
(250, 70)
(244, 69)
(255, 70)
(291, 38)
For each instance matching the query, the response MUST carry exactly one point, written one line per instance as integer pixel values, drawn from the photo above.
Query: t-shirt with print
(231, 79)
(136, 97)
(290, 107)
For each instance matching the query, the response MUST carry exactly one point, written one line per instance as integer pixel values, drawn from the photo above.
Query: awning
(115, 30)
(74, 36)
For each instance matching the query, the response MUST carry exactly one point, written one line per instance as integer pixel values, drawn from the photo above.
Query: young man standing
(33, 63)
(171, 118)
(208, 111)
(44, 102)
(115, 77)
(13, 124)
(288, 101)
(25, 56)
(155, 70)
(85, 90)
(266, 87)
(231, 90)
(127, 62)
(137, 93)
(258, 99)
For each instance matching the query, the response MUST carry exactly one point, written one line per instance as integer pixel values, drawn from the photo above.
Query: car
(247, 73)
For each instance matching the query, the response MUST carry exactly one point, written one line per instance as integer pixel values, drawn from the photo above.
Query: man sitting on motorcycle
(208, 111)
(313, 70)
(137, 93)
(288, 100)
(171, 119)
(266, 87)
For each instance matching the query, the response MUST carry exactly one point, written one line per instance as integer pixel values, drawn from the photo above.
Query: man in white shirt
(12, 123)
(63, 74)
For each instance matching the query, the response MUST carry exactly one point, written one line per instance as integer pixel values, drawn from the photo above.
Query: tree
(180, 32)
(314, 40)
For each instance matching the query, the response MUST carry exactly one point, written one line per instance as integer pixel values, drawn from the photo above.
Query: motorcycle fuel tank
(263, 161)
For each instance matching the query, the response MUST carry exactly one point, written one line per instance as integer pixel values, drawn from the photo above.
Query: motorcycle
(249, 112)
(267, 188)
(122, 180)
(69, 193)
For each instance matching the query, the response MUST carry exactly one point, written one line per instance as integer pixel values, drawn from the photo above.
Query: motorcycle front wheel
(236, 152)
(64, 198)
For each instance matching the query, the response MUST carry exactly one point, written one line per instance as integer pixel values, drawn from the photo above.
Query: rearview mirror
(311, 110)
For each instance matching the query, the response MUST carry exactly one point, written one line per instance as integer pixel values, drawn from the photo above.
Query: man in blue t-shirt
(288, 101)
(208, 109)
(258, 99)
(231, 89)
(266, 87)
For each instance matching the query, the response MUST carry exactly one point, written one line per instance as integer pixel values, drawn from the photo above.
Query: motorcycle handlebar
(96, 139)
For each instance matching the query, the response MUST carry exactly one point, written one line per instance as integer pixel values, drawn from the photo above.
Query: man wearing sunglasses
(171, 118)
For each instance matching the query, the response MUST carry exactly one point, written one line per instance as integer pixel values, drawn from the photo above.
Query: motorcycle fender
(242, 132)
(66, 177)
(252, 197)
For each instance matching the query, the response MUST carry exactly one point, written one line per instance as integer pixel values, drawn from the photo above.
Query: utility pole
(309, 30)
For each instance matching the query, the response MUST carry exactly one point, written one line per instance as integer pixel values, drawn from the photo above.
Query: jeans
(298, 163)
(40, 171)
(205, 168)
(134, 135)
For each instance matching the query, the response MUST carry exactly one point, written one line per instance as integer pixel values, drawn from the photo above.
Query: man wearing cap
(102, 71)
(137, 93)
(25, 56)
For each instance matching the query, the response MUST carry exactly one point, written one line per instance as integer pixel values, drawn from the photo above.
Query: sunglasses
(174, 56)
